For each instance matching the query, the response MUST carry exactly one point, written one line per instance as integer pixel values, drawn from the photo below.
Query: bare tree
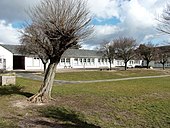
(125, 48)
(108, 51)
(163, 55)
(164, 20)
(163, 59)
(61, 24)
(31, 41)
(147, 52)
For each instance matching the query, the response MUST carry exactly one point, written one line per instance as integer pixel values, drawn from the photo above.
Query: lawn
(101, 75)
(132, 103)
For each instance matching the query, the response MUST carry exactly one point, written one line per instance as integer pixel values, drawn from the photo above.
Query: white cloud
(104, 8)
(106, 29)
(135, 14)
(148, 37)
(15, 10)
(137, 18)
(8, 34)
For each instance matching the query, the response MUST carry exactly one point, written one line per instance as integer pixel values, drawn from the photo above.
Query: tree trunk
(125, 65)
(45, 66)
(44, 61)
(44, 93)
(147, 64)
(163, 64)
(110, 62)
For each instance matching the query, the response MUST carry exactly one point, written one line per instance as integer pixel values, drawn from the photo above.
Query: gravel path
(40, 78)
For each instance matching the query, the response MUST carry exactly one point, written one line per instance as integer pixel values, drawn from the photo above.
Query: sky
(111, 19)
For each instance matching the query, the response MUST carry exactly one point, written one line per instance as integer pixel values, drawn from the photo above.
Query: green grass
(131, 103)
(100, 75)
(134, 103)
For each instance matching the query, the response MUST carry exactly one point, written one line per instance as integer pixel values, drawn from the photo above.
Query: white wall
(5, 54)
(33, 63)
(83, 63)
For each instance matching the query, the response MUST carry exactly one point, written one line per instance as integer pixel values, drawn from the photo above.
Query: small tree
(108, 51)
(147, 52)
(61, 24)
(31, 44)
(163, 54)
(124, 48)
(163, 59)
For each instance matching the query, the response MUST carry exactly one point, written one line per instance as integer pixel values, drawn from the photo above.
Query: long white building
(11, 59)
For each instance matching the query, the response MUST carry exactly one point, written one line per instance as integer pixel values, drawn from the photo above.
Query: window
(4, 63)
(62, 60)
(131, 62)
(36, 62)
(118, 63)
(84, 60)
(81, 60)
(137, 62)
(68, 60)
(76, 59)
(88, 60)
(102, 60)
(92, 60)
(98, 60)
(36, 58)
(0, 60)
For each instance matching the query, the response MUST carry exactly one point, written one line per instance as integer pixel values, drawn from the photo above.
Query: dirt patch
(24, 104)
(38, 122)
(30, 118)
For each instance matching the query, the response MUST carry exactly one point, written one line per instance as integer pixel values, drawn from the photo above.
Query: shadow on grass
(13, 89)
(69, 118)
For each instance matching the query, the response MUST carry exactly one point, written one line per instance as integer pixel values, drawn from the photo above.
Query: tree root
(37, 98)
(52, 99)
(40, 98)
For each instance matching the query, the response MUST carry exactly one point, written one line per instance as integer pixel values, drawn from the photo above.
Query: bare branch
(164, 21)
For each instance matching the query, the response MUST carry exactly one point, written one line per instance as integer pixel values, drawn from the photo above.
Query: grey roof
(165, 48)
(81, 53)
(75, 53)
(12, 48)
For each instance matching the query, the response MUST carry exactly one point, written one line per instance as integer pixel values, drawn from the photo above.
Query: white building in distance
(11, 59)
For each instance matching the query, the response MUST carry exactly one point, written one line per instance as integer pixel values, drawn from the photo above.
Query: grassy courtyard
(102, 75)
(131, 103)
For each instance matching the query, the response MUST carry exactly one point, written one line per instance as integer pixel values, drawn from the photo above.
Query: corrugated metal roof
(12, 48)
(75, 53)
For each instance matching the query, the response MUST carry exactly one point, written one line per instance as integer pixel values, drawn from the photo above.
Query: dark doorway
(18, 62)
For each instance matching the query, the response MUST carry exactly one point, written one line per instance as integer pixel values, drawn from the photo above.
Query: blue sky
(105, 21)
(18, 24)
(111, 19)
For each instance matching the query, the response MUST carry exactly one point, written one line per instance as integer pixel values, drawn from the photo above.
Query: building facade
(11, 59)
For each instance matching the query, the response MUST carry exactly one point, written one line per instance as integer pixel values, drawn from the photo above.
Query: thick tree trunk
(44, 93)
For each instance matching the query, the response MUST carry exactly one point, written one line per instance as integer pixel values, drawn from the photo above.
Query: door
(18, 62)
